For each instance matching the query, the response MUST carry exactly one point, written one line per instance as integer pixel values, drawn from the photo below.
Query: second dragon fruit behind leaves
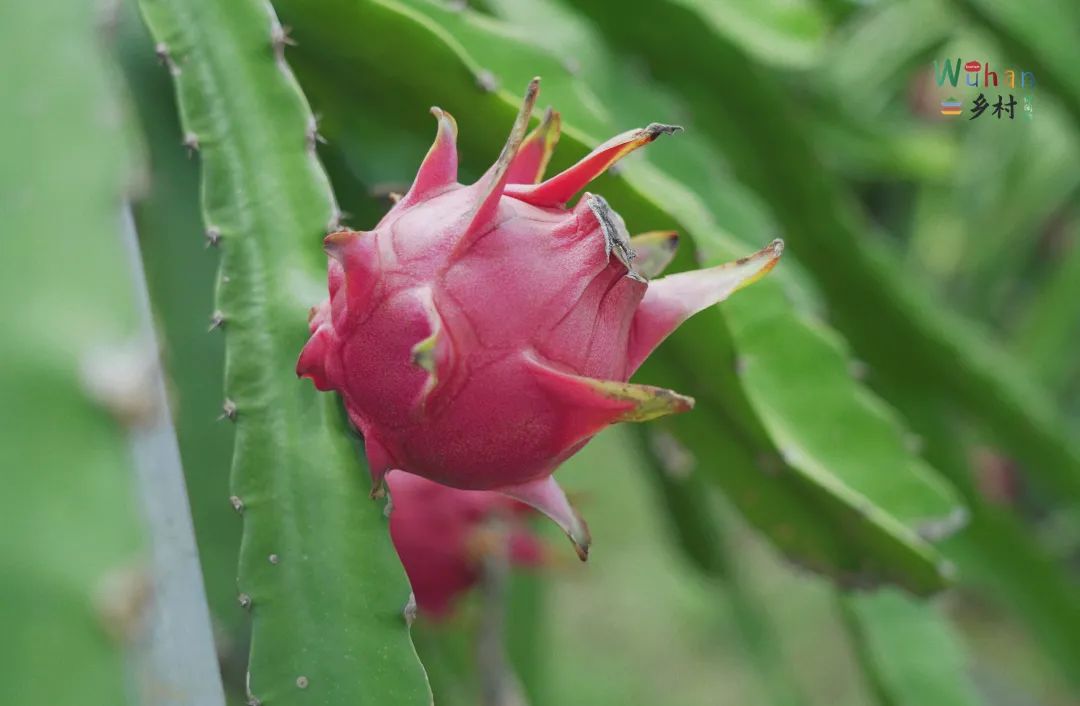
(480, 335)
(443, 537)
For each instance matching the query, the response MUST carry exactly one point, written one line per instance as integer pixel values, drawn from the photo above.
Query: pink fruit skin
(482, 334)
(436, 532)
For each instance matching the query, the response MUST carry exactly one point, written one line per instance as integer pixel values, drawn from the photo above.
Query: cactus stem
(498, 683)
(228, 49)
(217, 320)
(228, 410)
(213, 236)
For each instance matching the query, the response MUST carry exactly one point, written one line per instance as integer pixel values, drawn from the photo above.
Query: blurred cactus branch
(178, 663)
(499, 686)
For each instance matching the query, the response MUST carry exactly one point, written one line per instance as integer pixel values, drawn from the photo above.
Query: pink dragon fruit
(441, 535)
(480, 335)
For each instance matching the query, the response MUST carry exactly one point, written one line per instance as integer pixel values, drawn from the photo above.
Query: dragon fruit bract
(482, 334)
(441, 535)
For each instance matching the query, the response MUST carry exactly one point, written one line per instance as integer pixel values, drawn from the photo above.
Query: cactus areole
(481, 334)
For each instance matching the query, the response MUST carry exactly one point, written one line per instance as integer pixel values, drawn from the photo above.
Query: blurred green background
(896, 407)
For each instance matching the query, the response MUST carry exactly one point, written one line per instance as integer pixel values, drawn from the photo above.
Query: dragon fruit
(442, 536)
(480, 335)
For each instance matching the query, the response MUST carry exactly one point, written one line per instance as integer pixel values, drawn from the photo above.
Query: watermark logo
(951, 106)
(958, 74)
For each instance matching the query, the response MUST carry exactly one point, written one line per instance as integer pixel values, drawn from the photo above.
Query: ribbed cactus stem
(317, 572)
(499, 686)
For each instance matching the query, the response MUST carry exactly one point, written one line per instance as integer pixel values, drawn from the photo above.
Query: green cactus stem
(316, 569)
